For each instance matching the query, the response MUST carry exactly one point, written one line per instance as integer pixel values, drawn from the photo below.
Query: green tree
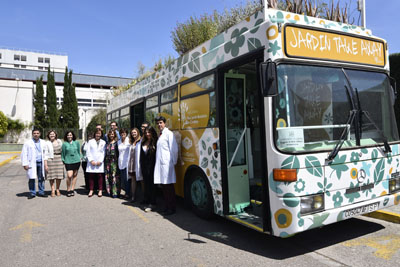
(52, 119)
(3, 124)
(99, 118)
(40, 118)
(74, 103)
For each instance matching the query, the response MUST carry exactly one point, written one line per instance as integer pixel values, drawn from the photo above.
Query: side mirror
(269, 84)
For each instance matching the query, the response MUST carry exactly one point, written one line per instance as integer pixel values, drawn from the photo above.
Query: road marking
(386, 246)
(139, 214)
(26, 230)
(7, 160)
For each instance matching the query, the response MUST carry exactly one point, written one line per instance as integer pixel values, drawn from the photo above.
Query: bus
(285, 122)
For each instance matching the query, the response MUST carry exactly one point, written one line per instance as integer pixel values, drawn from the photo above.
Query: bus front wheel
(200, 196)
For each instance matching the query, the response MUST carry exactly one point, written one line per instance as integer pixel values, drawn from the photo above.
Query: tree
(51, 102)
(3, 124)
(40, 118)
(69, 110)
(99, 118)
(74, 103)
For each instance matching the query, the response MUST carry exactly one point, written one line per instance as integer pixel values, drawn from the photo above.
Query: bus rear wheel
(200, 195)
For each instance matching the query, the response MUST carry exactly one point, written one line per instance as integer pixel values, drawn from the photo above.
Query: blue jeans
(40, 181)
(125, 182)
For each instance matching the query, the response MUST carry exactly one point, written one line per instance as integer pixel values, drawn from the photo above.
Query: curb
(385, 215)
(10, 152)
(4, 162)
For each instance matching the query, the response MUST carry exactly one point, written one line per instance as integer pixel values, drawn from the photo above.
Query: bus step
(247, 219)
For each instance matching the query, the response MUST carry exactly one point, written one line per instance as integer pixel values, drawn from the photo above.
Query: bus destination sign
(310, 43)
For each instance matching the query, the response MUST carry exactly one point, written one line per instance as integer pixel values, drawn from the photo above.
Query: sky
(110, 38)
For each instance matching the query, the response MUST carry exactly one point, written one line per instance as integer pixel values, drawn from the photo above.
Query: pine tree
(51, 102)
(74, 103)
(65, 110)
(38, 103)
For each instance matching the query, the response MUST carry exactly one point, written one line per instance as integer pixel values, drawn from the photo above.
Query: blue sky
(109, 38)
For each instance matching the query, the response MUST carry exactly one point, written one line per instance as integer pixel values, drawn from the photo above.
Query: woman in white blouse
(95, 166)
(123, 159)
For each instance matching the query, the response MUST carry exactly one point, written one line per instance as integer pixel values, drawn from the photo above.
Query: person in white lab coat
(33, 157)
(95, 161)
(164, 171)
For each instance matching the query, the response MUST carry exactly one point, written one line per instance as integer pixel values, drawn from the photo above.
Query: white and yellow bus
(285, 122)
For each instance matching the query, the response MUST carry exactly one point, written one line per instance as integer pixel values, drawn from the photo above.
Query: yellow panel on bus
(317, 44)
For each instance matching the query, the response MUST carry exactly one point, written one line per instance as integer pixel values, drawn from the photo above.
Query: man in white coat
(164, 171)
(33, 158)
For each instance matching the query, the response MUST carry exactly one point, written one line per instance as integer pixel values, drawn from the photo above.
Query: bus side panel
(196, 147)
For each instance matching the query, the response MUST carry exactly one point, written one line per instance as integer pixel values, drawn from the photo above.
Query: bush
(3, 124)
(99, 118)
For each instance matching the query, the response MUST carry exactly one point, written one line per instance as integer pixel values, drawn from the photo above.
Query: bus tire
(199, 195)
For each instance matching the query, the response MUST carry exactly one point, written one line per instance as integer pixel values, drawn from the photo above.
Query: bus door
(137, 114)
(236, 142)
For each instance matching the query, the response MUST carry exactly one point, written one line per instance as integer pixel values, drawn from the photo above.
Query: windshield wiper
(345, 132)
(385, 142)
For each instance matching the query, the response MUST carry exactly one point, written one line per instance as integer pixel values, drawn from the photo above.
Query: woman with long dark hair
(134, 138)
(71, 156)
(113, 183)
(147, 163)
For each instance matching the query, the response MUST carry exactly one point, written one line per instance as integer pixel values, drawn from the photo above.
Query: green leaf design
(204, 163)
(203, 144)
(209, 151)
(318, 220)
(253, 44)
(364, 150)
(291, 162)
(374, 155)
(339, 166)
(258, 22)
(379, 171)
(313, 166)
(194, 64)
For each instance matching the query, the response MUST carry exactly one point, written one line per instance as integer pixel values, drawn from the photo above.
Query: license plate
(360, 210)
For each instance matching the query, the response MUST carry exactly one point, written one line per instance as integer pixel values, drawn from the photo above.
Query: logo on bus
(361, 176)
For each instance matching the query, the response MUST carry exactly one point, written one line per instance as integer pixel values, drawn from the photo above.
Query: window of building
(0, 55)
(17, 57)
(23, 58)
(23, 66)
(151, 102)
(40, 68)
(169, 96)
(47, 60)
(16, 66)
(40, 60)
(46, 68)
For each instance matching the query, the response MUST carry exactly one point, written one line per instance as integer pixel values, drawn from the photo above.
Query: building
(32, 60)
(18, 86)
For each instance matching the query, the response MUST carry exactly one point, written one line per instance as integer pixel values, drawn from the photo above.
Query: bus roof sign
(303, 42)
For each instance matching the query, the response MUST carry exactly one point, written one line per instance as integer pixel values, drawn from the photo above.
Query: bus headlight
(311, 204)
(394, 185)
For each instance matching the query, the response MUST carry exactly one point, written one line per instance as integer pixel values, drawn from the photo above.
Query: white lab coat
(95, 153)
(28, 157)
(50, 150)
(124, 152)
(166, 158)
(138, 170)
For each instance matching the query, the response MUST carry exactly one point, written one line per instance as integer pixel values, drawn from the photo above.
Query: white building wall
(16, 99)
(30, 60)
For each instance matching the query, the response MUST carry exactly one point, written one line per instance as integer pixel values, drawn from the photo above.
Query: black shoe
(42, 195)
(31, 196)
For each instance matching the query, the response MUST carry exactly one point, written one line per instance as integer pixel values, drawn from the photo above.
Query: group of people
(116, 160)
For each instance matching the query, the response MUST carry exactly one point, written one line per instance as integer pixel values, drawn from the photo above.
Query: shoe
(68, 193)
(132, 200)
(31, 196)
(58, 193)
(148, 209)
(100, 194)
(72, 193)
(42, 195)
(169, 212)
(90, 194)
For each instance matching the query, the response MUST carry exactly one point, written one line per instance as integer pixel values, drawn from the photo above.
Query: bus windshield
(314, 105)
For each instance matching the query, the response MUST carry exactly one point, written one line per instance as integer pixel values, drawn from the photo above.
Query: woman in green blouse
(71, 156)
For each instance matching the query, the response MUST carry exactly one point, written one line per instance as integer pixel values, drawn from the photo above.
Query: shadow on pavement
(232, 234)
